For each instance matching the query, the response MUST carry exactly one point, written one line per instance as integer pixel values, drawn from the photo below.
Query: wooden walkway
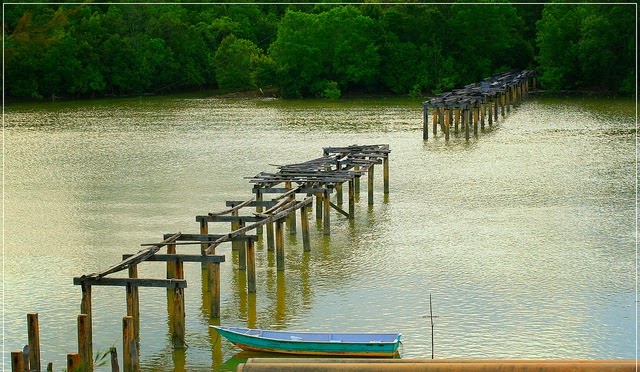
(471, 105)
(318, 178)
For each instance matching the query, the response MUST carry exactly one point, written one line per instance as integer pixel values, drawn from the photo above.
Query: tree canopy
(321, 50)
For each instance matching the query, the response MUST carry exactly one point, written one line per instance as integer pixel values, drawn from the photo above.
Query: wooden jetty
(318, 178)
(476, 103)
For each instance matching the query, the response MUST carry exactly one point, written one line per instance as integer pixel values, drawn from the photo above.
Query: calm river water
(524, 237)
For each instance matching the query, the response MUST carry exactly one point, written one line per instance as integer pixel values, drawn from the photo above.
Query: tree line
(315, 50)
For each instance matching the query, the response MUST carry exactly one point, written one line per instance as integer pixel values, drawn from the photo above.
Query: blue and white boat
(313, 343)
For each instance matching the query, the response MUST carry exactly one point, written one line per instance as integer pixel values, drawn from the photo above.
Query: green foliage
(587, 46)
(321, 50)
(235, 64)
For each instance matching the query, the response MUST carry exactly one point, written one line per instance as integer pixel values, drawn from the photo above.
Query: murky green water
(524, 237)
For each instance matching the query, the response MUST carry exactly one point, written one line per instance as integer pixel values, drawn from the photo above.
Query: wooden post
(467, 119)
(476, 112)
(370, 173)
(496, 100)
(352, 199)
(178, 316)
(291, 219)
(456, 119)
(85, 308)
(319, 206)
(258, 209)
(73, 362)
(270, 237)
(115, 367)
(204, 230)
(242, 250)
(280, 245)
(385, 173)
(435, 121)
(171, 265)
(490, 111)
(234, 226)
(445, 126)
(251, 267)
(86, 359)
(507, 97)
(33, 331)
(356, 181)
(214, 288)
(133, 302)
(339, 198)
(425, 122)
(17, 361)
(304, 223)
(503, 100)
(326, 213)
(130, 360)
(447, 116)
(482, 114)
(441, 118)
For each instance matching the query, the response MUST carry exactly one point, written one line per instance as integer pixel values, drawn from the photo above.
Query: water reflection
(524, 236)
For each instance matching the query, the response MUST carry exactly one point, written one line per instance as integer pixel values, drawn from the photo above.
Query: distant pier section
(476, 104)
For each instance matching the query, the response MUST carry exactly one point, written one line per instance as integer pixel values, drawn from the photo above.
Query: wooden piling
(490, 112)
(178, 315)
(352, 199)
(242, 250)
(133, 302)
(204, 230)
(339, 196)
(214, 288)
(73, 362)
(251, 267)
(467, 119)
(326, 212)
(291, 219)
(356, 181)
(270, 237)
(280, 245)
(385, 174)
(234, 226)
(476, 113)
(425, 122)
(130, 359)
(370, 173)
(258, 209)
(86, 359)
(319, 206)
(85, 308)
(435, 121)
(456, 119)
(33, 332)
(17, 361)
(115, 366)
(483, 112)
(304, 223)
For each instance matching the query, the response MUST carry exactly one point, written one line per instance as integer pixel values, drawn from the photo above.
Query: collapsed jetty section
(320, 178)
(471, 105)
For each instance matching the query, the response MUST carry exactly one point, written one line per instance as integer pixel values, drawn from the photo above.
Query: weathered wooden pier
(476, 103)
(318, 178)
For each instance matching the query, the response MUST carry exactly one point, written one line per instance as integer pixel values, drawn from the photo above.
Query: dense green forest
(315, 50)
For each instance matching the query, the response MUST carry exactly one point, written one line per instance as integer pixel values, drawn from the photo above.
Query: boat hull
(301, 343)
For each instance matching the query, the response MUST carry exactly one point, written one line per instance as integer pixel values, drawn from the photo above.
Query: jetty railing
(462, 108)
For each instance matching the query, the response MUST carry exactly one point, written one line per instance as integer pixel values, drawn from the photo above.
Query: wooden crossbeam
(182, 257)
(134, 282)
(136, 258)
(239, 232)
(210, 238)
